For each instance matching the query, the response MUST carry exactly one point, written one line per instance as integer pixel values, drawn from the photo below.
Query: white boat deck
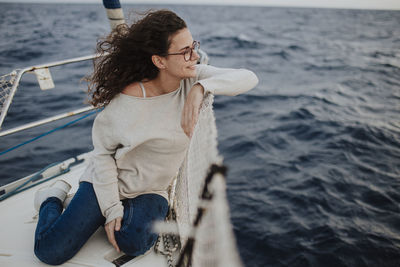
(18, 223)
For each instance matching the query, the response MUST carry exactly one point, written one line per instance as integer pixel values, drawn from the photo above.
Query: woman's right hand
(191, 109)
(114, 225)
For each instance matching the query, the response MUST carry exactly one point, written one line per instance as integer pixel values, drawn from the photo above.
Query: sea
(313, 152)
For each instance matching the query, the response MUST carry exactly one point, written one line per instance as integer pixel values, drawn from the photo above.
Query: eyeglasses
(188, 53)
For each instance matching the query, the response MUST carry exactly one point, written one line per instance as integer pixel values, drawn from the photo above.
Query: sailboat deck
(19, 221)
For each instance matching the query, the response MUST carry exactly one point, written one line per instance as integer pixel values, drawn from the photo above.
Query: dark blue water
(313, 152)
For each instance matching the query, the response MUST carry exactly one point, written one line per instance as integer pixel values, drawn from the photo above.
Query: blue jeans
(60, 235)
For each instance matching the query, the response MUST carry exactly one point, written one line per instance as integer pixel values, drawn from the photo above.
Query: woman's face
(175, 64)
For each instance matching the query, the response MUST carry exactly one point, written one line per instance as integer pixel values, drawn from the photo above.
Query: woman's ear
(158, 61)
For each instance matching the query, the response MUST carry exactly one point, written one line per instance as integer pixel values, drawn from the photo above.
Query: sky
(358, 4)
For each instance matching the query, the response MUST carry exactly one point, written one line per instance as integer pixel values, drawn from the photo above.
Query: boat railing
(9, 84)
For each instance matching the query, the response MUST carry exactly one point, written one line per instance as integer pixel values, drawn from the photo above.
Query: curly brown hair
(125, 54)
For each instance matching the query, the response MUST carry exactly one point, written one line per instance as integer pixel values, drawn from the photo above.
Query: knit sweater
(139, 143)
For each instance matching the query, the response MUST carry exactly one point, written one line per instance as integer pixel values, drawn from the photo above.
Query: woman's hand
(114, 225)
(191, 109)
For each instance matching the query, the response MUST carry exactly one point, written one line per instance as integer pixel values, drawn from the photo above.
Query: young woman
(151, 89)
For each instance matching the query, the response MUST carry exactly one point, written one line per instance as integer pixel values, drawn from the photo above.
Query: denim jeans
(60, 235)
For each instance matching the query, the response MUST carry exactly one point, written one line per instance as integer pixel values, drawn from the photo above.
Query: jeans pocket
(128, 215)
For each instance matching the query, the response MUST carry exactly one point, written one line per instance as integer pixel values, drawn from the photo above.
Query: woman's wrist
(199, 87)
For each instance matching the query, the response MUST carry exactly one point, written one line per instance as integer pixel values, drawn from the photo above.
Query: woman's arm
(225, 81)
(105, 181)
(220, 81)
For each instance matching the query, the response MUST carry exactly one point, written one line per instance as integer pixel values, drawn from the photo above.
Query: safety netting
(7, 86)
(201, 205)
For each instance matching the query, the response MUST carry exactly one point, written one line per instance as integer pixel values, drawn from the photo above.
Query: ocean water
(313, 151)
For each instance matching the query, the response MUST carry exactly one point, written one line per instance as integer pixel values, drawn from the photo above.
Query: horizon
(338, 4)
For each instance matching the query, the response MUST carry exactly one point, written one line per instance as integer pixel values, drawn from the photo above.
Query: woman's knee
(136, 235)
(55, 251)
(50, 254)
(135, 244)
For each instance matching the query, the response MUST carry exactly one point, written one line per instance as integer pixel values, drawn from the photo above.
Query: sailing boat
(197, 231)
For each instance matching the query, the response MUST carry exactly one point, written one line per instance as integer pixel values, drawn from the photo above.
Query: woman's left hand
(191, 109)
(114, 225)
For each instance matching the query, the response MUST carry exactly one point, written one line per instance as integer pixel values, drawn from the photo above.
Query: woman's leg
(136, 235)
(59, 236)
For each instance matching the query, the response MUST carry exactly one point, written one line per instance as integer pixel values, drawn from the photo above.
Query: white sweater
(139, 143)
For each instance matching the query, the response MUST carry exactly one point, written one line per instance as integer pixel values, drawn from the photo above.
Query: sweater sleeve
(224, 81)
(105, 178)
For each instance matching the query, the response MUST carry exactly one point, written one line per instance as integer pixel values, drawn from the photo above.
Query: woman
(152, 89)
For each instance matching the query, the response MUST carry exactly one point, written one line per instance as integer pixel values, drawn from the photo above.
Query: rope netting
(201, 154)
(211, 234)
(6, 85)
